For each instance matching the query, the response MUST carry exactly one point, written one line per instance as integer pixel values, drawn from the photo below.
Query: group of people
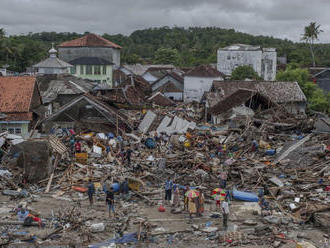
(109, 194)
(194, 202)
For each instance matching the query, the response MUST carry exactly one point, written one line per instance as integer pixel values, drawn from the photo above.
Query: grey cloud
(279, 18)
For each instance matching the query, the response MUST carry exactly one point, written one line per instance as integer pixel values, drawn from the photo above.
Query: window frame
(89, 70)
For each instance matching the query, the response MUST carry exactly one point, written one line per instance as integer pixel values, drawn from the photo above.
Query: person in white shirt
(225, 213)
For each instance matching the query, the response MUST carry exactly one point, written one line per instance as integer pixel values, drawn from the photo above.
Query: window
(104, 69)
(81, 70)
(228, 57)
(89, 69)
(11, 130)
(97, 70)
(4, 129)
(18, 130)
(73, 69)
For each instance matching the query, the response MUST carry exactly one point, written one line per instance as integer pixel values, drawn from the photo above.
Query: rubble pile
(278, 181)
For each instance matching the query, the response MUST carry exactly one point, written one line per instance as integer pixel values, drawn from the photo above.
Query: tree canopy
(244, 72)
(317, 99)
(194, 46)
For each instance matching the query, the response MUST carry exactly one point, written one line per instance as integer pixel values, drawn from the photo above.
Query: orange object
(79, 189)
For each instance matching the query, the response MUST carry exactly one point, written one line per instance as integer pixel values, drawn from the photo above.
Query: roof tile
(90, 40)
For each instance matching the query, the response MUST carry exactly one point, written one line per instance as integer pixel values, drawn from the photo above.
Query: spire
(52, 52)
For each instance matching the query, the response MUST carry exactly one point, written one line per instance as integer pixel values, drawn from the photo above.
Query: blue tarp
(127, 238)
(150, 143)
(245, 196)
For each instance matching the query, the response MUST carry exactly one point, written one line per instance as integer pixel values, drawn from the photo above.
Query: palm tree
(311, 34)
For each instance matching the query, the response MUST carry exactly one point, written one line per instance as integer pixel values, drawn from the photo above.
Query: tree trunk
(312, 52)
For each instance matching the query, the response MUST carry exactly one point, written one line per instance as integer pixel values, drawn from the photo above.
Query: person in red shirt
(77, 147)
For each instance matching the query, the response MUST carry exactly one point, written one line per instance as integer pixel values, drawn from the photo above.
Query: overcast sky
(279, 18)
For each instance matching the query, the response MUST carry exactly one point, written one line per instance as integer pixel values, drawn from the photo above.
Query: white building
(199, 80)
(52, 65)
(262, 60)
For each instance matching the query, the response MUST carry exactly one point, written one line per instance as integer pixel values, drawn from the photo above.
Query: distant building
(92, 68)
(92, 57)
(262, 60)
(322, 78)
(199, 80)
(19, 96)
(52, 65)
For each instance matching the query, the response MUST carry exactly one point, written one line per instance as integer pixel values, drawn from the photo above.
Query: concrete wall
(42, 70)
(295, 107)
(264, 61)
(177, 96)
(230, 60)
(194, 87)
(268, 65)
(24, 126)
(103, 78)
(70, 53)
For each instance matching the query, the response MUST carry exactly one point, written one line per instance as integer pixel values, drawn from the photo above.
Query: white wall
(194, 87)
(268, 66)
(228, 60)
(42, 70)
(177, 96)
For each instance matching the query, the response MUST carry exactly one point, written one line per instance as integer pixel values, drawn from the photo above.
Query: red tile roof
(204, 71)
(16, 94)
(90, 40)
(19, 117)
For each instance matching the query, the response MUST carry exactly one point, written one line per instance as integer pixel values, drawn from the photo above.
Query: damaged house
(170, 85)
(19, 96)
(227, 95)
(86, 112)
(58, 90)
(199, 80)
(130, 93)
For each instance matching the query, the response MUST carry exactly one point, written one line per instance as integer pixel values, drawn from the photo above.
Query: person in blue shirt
(90, 191)
(168, 190)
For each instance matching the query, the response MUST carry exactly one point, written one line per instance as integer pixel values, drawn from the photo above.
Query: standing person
(217, 200)
(128, 155)
(176, 192)
(225, 213)
(77, 147)
(168, 190)
(90, 191)
(201, 202)
(110, 201)
(185, 198)
(223, 179)
(191, 206)
(125, 188)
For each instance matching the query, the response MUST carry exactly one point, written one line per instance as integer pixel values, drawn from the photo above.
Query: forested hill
(181, 46)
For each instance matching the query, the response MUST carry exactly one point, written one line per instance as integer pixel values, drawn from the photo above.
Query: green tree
(310, 35)
(166, 56)
(244, 72)
(316, 98)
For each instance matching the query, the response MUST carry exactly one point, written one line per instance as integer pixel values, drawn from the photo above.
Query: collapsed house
(87, 113)
(171, 85)
(132, 92)
(238, 106)
(286, 94)
(58, 90)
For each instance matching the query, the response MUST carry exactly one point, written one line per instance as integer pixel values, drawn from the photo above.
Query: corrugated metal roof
(52, 62)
